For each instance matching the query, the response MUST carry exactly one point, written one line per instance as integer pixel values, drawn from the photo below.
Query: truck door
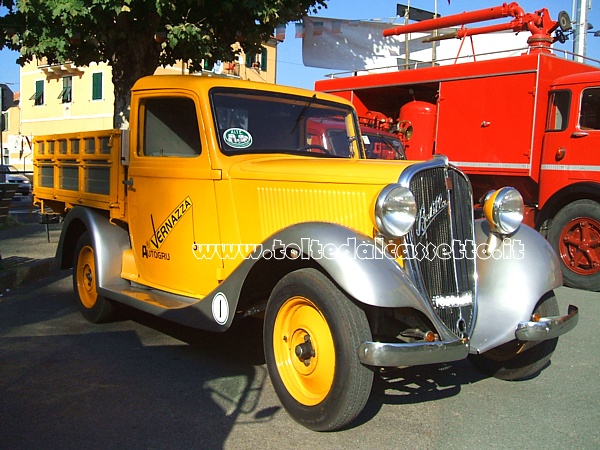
(585, 140)
(571, 140)
(171, 199)
(557, 143)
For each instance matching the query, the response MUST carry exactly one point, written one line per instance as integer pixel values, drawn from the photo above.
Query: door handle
(128, 182)
(579, 134)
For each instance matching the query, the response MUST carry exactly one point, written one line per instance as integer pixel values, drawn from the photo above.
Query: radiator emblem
(426, 215)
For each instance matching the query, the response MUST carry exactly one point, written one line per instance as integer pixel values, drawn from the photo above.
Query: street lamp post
(581, 28)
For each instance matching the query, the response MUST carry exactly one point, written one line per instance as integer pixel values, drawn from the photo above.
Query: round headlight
(395, 211)
(504, 210)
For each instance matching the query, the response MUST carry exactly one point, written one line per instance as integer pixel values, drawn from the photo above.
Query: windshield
(8, 169)
(380, 146)
(249, 121)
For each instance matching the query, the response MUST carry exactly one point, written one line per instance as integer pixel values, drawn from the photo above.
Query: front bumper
(547, 327)
(385, 354)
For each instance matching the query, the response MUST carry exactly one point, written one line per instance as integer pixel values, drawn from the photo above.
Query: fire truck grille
(442, 245)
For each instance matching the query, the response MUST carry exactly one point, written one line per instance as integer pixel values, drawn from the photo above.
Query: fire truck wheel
(93, 307)
(519, 360)
(575, 236)
(312, 332)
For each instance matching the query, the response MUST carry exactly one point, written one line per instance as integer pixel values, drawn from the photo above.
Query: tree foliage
(136, 36)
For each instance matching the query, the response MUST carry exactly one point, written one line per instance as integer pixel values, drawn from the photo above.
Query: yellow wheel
(303, 347)
(93, 306)
(312, 332)
(86, 277)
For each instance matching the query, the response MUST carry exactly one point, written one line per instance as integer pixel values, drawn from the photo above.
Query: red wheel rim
(579, 246)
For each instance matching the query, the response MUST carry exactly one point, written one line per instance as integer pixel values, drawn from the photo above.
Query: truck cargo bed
(80, 169)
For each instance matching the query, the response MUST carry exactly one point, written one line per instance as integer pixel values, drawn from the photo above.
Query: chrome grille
(442, 243)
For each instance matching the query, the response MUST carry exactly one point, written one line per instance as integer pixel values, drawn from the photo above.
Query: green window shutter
(39, 92)
(97, 86)
(248, 60)
(263, 59)
(67, 92)
(4, 124)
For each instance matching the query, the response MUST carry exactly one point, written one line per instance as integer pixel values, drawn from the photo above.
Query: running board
(187, 311)
(153, 298)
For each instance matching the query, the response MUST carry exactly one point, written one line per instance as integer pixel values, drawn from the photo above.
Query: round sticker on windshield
(237, 138)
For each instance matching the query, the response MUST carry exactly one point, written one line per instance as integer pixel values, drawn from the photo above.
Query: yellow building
(64, 98)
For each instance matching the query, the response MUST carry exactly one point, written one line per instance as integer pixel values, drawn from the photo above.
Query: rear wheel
(93, 307)
(312, 332)
(575, 236)
(517, 360)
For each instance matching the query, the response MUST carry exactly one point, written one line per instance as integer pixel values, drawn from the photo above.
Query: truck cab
(569, 185)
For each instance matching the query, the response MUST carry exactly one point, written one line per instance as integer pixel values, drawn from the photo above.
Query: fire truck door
(571, 140)
(171, 198)
(585, 138)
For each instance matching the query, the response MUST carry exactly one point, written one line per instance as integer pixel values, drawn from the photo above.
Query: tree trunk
(133, 58)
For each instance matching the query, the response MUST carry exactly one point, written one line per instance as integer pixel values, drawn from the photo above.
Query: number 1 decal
(220, 308)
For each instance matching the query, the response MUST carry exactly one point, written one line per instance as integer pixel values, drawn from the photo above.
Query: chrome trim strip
(387, 354)
(485, 165)
(408, 173)
(548, 327)
(572, 167)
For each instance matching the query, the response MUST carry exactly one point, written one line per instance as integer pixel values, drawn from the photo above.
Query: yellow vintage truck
(219, 203)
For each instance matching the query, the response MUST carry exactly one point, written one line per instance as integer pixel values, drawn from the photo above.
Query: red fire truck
(531, 121)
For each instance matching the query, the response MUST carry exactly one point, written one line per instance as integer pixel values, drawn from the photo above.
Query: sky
(292, 72)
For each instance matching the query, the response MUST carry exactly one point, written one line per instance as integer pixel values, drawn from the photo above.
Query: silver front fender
(511, 282)
(109, 241)
(357, 264)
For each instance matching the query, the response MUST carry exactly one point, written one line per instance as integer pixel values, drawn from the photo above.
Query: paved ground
(27, 247)
(141, 384)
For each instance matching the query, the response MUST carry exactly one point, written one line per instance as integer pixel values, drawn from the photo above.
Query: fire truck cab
(569, 176)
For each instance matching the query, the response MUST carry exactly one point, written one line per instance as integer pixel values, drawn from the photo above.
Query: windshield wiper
(301, 115)
(399, 152)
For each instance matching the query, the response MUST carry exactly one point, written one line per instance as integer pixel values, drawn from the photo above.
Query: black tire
(518, 360)
(94, 307)
(575, 237)
(312, 332)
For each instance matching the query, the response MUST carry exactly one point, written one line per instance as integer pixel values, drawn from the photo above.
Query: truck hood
(315, 169)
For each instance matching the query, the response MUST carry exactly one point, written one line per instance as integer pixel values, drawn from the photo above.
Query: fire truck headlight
(395, 211)
(504, 209)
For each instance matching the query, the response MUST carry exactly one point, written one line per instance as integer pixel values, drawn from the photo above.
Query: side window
(589, 116)
(170, 127)
(257, 60)
(558, 111)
